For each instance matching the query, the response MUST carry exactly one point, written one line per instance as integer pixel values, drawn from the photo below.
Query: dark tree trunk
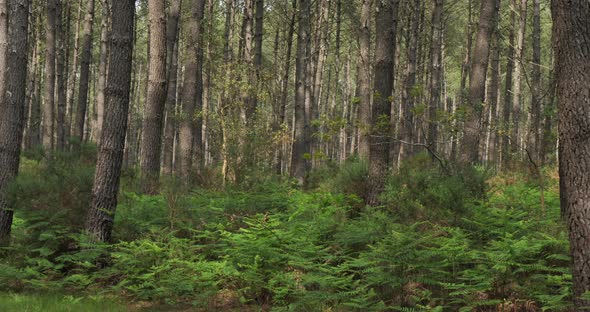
(85, 59)
(477, 84)
(112, 144)
(571, 39)
(379, 162)
(301, 155)
(12, 101)
(153, 117)
(507, 109)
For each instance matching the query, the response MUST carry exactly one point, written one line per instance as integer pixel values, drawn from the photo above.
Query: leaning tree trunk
(49, 103)
(153, 116)
(571, 39)
(477, 84)
(85, 60)
(379, 162)
(13, 78)
(99, 223)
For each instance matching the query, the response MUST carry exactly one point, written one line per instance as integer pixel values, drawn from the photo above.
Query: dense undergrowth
(471, 242)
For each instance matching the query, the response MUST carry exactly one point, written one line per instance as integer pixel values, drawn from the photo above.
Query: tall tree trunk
(85, 60)
(49, 104)
(300, 157)
(571, 39)
(172, 48)
(477, 84)
(493, 89)
(409, 93)
(102, 69)
(99, 223)
(13, 80)
(34, 121)
(507, 109)
(62, 38)
(365, 78)
(518, 66)
(379, 162)
(537, 99)
(153, 118)
(72, 77)
(191, 97)
(436, 73)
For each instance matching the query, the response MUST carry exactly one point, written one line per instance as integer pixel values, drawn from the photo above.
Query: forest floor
(471, 241)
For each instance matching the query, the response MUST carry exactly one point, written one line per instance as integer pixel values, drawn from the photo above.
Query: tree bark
(13, 54)
(172, 68)
(102, 69)
(100, 218)
(507, 109)
(571, 40)
(477, 84)
(379, 162)
(300, 157)
(435, 73)
(191, 97)
(85, 60)
(153, 118)
(62, 38)
(518, 66)
(365, 78)
(537, 100)
(49, 104)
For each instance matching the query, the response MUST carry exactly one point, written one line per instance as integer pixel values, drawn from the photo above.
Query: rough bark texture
(571, 39)
(477, 84)
(508, 93)
(300, 157)
(12, 102)
(110, 156)
(49, 96)
(493, 88)
(72, 77)
(153, 116)
(191, 96)
(379, 162)
(85, 59)
(365, 78)
(172, 68)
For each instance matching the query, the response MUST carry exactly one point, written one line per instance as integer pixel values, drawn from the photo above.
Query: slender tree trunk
(518, 66)
(477, 83)
(112, 144)
(49, 104)
(61, 32)
(300, 157)
(436, 73)
(507, 110)
(153, 118)
(571, 39)
(493, 89)
(537, 99)
(72, 77)
(102, 69)
(379, 162)
(13, 79)
(172, 43)
(365, 78)
(85, 60)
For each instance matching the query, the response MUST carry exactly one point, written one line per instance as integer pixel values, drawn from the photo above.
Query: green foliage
(439, 243)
